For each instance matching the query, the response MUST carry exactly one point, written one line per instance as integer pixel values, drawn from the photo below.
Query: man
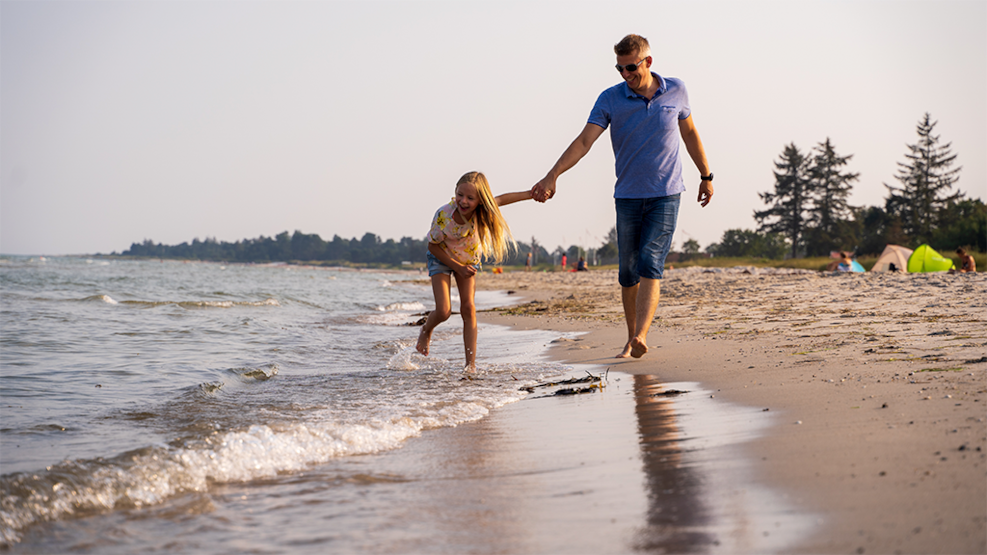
(647, 114)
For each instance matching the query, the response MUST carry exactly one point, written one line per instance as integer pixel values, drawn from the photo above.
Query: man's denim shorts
(435, 266)
(644, 236)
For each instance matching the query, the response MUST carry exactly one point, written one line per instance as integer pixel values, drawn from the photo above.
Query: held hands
(543, 190)
(705, 193)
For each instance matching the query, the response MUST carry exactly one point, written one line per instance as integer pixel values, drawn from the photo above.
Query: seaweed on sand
(596, 383)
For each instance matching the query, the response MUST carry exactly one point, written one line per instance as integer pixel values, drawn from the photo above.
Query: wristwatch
(707, 177)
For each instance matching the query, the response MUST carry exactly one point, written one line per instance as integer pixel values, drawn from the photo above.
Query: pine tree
(926, 178)
(829, 188)
(791, 198)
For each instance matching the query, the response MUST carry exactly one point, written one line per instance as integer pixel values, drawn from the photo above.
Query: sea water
(147, 391)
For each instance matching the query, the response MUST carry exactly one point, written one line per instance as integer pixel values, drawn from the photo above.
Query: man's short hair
(631, 44)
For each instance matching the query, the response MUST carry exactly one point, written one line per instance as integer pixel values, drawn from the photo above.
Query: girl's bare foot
(424, 340)
(470, 368)
(626, 352)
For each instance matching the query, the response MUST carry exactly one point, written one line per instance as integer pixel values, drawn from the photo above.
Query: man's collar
(662, 87)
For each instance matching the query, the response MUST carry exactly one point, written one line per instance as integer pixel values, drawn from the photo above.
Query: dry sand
(877, 384)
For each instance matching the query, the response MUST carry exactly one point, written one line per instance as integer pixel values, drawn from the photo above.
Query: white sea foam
(225, 304)
(398, 313)
(407, 307)
(101, 298)
(405, 359)
(155, 474)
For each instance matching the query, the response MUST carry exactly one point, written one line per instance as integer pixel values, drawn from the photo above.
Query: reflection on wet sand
(620, 471)
(547, 475)
(675, 515)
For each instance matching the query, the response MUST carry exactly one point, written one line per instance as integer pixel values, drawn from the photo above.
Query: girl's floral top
(460, 241)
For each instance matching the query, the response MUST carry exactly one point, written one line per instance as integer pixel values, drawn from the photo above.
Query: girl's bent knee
(443, 315)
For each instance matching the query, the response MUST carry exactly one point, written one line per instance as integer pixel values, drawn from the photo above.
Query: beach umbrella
(925, 259)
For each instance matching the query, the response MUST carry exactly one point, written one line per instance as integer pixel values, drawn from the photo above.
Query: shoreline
(876, 384)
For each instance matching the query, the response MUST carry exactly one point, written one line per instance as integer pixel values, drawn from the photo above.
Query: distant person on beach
(468, 227)
(563, 262)
(842, 263)
(967, 263)
(527, 263)
(648, 115)
(846, 262)
(581, 265)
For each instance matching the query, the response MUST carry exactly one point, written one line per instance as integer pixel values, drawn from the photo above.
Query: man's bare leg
(646, 303)
(628, 297)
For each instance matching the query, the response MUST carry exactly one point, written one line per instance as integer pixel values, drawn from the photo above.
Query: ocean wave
(406, 307)
(393, 314)
(389, 319)
(153, 474)
(259, 374)
(226, 304)
(100, 298)
(184, 304)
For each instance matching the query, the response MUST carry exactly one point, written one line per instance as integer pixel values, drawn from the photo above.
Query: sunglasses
(631, 68)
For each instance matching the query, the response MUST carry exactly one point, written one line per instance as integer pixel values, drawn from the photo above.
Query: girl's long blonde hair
(496, 240)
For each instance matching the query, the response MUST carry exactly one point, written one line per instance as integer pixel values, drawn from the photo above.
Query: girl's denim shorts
(435, 266)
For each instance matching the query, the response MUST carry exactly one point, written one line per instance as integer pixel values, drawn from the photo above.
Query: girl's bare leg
(443, 309)
(467, 290)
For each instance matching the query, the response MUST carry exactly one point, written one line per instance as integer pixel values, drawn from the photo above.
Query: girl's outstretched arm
(511, 198)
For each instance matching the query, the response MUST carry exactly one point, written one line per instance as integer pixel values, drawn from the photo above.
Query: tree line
(302, 247)
(808, 213)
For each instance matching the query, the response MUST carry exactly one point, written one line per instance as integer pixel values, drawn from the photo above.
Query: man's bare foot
(424, 340)
(638, 348)
(626, 352)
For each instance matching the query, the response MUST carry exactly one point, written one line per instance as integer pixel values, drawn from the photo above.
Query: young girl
(469, 227)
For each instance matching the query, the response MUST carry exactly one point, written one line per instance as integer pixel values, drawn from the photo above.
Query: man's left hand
(705, 193)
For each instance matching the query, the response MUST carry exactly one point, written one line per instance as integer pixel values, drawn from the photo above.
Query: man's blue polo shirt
(645, 137)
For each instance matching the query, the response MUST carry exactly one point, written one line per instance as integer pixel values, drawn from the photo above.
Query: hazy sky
(125, 121)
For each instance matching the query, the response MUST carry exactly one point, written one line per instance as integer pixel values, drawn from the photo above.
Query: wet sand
(629, 470)
(874, 387)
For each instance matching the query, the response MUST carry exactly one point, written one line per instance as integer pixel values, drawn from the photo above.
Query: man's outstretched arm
(545, 189)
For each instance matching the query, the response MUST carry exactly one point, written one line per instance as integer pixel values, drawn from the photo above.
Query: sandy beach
(875, 384)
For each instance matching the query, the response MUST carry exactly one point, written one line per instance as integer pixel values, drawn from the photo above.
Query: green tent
(924, 259)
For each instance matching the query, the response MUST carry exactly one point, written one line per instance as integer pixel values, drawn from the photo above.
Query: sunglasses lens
(631, 68)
